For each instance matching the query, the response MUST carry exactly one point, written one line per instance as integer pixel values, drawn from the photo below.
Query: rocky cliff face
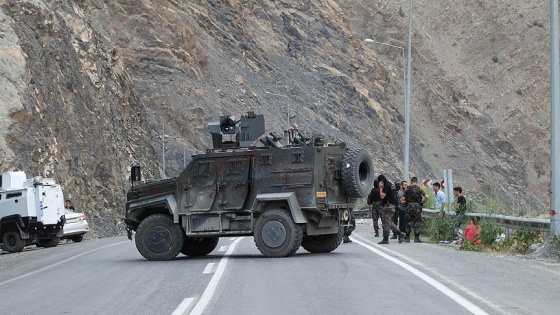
(90, 87)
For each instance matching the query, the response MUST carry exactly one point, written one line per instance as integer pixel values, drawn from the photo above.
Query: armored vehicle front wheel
(198, 246)
(322, 243)
(158, 238)
(13, 243)
(276, 234)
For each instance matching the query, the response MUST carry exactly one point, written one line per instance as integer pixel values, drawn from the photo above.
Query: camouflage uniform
(387, 219)
(376, 214)
(349, 227)
(414, 217)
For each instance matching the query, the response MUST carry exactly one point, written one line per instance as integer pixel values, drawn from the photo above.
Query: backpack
(413, 194)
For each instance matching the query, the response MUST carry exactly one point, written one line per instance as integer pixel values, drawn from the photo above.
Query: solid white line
(233, 238)
(208, 268)
(180, 310)
(431, 281)
(58, 263)
(213, 284)
(222, 248)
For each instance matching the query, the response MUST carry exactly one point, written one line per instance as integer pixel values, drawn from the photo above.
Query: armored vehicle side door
(232, 182)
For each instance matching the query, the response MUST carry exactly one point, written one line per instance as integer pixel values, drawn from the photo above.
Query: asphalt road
(109, 276)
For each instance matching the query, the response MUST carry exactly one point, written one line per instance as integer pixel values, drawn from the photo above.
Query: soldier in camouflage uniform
(385, 192)
(374, 205)
(414, 202)
(349, 227)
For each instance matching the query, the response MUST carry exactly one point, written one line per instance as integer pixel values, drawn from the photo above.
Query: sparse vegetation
(519, 92)
(401, 12)
(555, 240)
(495, 58)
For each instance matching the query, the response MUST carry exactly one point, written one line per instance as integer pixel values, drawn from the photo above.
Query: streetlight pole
(406, 105)
(554, 116)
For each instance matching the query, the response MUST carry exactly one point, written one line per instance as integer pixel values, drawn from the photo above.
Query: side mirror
(135, 174)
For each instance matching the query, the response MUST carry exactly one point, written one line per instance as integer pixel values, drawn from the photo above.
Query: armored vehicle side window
(202, 168)
(234, 167)
(266, 159)
(297, 157)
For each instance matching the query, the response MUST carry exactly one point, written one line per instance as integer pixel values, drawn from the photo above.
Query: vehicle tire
(12, 241)
(322, 243)
(158, 238)
(357, 173)
(198, 246)
(276, 234)
(77, 238)
(49, 242)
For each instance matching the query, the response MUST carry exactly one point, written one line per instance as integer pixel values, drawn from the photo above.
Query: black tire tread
(15, 248)
(350, 180)
(164, 220)
(323, 243)
(199, 247)
(294, 237)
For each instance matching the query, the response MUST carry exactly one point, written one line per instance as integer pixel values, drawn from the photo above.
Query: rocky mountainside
(89, 88)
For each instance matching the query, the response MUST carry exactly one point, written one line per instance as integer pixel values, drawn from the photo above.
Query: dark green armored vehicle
(287, 192)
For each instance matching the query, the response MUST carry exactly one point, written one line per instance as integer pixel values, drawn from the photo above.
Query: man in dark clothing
(392, 198)
(374, 205)
(413, 197)
(401, 206)
(460, 206)
(386, 195)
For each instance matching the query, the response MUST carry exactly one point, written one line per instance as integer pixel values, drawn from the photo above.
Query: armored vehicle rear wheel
(13, 243)
(357, 173)
(276, 233)
(198, 246)
(49, 242)
(322, 243)
(158, 238)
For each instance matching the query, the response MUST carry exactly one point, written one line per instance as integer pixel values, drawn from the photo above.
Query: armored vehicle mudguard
(285, 195)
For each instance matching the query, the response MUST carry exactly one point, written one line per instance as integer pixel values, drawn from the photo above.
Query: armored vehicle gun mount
(285, 194)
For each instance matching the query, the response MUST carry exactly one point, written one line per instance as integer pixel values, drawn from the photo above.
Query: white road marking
(213, 284)
(222, 248)
(431, 281)
(208, 268)
(180, 310)
(233, 238)
(58, 263)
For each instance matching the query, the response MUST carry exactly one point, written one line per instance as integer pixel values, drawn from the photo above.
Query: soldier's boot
(346, 239)
(395, 236)
(401, 237)
(385, 239)
(376, 233)
(407, 238)
(417, 238)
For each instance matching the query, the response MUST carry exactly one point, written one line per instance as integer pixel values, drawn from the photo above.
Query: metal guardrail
(508, 222)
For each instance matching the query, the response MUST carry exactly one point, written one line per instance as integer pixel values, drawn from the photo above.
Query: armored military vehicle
(287, 192)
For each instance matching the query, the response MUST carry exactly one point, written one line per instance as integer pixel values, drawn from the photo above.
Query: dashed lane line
(208, 268)
(222, 248)
(213, 284)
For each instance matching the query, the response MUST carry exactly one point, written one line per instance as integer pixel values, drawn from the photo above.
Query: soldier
(349, 227)
(401, 206)
(386, 195)
(414, 202)
(374, 205)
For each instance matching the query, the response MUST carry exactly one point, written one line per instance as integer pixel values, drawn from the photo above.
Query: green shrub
(488, 232)
(524, 238)
(401, 12)
(442, 227)
(466, 245)
(556, 244)
(495, 58)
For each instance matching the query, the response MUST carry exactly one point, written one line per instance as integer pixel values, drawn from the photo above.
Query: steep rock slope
(90, 86)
